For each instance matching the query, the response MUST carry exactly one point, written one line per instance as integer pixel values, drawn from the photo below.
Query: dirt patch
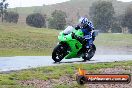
(117, 70)
(66, 80)
(70, 80)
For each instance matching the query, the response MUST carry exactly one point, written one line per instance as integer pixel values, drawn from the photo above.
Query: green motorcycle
(68, 47)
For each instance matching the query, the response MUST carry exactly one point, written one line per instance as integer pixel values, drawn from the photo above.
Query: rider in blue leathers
(87, 28)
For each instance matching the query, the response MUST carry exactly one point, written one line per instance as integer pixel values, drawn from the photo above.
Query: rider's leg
(89, 43)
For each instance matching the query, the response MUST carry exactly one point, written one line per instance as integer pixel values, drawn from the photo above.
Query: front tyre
(58, 54)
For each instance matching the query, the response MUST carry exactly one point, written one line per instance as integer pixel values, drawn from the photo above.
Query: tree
(11, 17)
(102, 13)
(58, 20)
(116, 25)
(127, 19)
(36, 20)
(3, 8)
(116, 28)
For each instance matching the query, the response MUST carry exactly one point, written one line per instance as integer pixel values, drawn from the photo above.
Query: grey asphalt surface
(26, 62)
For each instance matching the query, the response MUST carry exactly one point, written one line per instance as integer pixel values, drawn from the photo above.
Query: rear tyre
(89, 53)
(58, 53)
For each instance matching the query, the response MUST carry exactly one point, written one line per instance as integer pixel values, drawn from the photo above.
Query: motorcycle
(68, 47)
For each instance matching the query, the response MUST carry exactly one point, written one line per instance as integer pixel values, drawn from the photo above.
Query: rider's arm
(93, 35)
(79, 38)
(77, 27)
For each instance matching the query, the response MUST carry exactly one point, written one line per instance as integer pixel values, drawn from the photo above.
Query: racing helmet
(83, 21)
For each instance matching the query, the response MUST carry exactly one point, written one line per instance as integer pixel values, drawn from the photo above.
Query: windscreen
(68, 30)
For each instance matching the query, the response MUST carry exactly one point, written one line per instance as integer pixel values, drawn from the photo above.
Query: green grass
(117, 40)
(22, 40)
(54, 72)
(25, 40)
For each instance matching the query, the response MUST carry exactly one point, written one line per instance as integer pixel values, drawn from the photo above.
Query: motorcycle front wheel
(58, 53)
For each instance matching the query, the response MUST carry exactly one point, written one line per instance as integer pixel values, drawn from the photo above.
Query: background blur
(33, 26)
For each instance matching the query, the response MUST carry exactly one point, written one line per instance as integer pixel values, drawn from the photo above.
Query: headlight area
(60, 34)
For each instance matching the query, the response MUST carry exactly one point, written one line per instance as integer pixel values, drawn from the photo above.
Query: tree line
(5, 15)
(101, 13)
(56, 21)
(103, 16)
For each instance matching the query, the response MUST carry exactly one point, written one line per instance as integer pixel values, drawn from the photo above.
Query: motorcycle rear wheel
(89, 53)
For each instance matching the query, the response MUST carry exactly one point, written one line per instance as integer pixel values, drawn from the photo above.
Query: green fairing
(74, 44)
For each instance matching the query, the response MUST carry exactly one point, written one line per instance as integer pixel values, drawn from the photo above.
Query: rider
(87, 28)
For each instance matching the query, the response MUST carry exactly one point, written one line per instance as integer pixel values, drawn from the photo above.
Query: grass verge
(53, 72)
(22, 40)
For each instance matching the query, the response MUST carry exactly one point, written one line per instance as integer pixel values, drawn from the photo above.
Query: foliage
(116, 28)
(102, 13)
(3, 8)
(58, 20)
(11, 17)
(36, 20)
(127, 20)
(116, 25)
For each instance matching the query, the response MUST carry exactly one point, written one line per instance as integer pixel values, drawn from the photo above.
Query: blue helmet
(83, 20)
